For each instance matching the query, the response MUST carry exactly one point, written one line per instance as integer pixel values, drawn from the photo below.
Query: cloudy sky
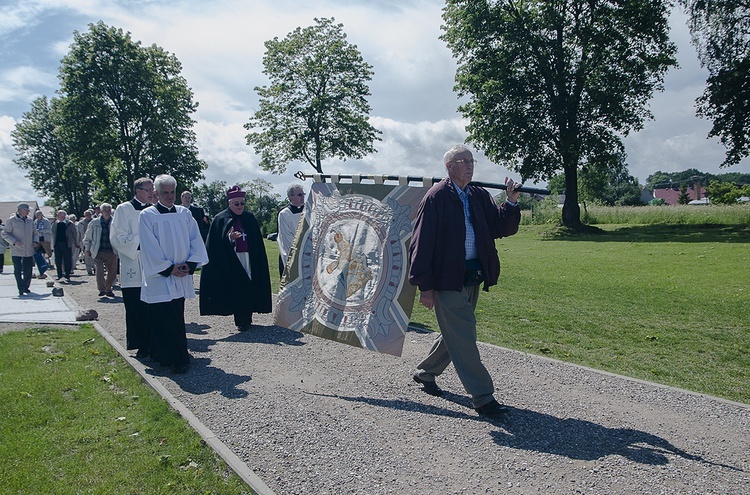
(220, 45)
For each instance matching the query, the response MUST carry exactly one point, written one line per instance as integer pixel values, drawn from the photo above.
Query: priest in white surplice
(124, 237)
(171, 249)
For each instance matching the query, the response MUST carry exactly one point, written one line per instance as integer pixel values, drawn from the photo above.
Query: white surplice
(168, 239)
(123, 235)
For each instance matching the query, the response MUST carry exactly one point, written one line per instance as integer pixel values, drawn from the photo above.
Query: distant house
(646, 196)
(9, 208)
(671, 192)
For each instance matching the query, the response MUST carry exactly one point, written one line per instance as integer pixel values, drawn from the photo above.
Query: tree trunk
(571, 214)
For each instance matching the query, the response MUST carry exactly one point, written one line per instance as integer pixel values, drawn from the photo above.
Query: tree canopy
(677, 179)
(43, 151)
(316, 104)
(721, 34)
(260, 200)
(552, 85)
(726, 193)
(127, 112)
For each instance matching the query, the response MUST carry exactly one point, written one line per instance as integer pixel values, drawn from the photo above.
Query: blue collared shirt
(470, 242)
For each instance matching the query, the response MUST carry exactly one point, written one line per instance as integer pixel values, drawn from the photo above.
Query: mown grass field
(668, 304)
(661, 295)
(76, 418)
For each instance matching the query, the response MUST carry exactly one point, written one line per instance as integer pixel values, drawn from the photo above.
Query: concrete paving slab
(38, 307)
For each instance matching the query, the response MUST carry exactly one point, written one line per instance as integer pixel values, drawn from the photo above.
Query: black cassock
(225, 288)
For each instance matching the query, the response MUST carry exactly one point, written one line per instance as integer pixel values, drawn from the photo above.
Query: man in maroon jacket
(452, 252)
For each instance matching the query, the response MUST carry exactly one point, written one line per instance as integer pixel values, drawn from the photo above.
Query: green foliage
(264, 204)
(545, 212)
(260, 200)
(76, 419)
(552, 85)
(726, 193)
(658, 302)
(44, 152)
(127, 112)
(673, 179)
(316, 105)
(604, 186)
(721, 33)
(657, 202)
(211, 197)
(683, 198)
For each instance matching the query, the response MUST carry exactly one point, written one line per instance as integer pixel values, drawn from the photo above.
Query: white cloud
(221, 44)
(14, 186)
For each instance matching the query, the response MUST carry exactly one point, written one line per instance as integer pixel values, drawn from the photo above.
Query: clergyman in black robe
(236, 280)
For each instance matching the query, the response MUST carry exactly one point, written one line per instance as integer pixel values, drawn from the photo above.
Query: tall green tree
(128, 111)
(721, 34)
(43, 151)
(316, 104)
(554, 84)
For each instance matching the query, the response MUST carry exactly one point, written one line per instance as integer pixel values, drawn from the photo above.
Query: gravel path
(310, 416)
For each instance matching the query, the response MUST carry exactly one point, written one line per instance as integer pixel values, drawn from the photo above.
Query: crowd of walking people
(156, 246)
(153, 247)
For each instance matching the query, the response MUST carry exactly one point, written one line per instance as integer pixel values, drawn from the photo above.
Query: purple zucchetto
(235, 192)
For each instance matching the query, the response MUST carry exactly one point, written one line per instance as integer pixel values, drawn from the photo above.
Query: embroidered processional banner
(347, 274)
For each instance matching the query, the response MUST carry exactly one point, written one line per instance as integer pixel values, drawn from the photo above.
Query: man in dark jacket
(64, 239)
(236, 280)
(452, 251)
(186, 199)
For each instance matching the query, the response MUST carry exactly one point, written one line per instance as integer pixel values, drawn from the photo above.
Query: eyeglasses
(300, 194)
(465, 162)
(237, 203)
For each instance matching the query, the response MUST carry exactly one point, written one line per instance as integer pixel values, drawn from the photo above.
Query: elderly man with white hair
(452, 252)
(171, 249)
(20, 234)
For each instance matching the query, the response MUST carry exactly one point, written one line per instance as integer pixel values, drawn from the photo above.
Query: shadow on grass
(655, 233)
(529, 430)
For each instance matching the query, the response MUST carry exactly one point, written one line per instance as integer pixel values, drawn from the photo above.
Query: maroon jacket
(437, 250)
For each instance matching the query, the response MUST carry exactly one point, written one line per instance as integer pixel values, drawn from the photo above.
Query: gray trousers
(457, 343)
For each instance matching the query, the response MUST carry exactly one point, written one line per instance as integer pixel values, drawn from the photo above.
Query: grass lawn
(668, 304)
(76, 418)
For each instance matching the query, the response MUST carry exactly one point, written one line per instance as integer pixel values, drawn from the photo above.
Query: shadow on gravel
(258, 335)
(203, 379)
(272, 334)
(405, 405)
(584, 440)
(197, 328)
(572, 438)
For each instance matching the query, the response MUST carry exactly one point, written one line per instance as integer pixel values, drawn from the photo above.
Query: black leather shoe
(428, 387)
(492, 410)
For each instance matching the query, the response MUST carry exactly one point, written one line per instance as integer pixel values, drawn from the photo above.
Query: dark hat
(235, 192)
